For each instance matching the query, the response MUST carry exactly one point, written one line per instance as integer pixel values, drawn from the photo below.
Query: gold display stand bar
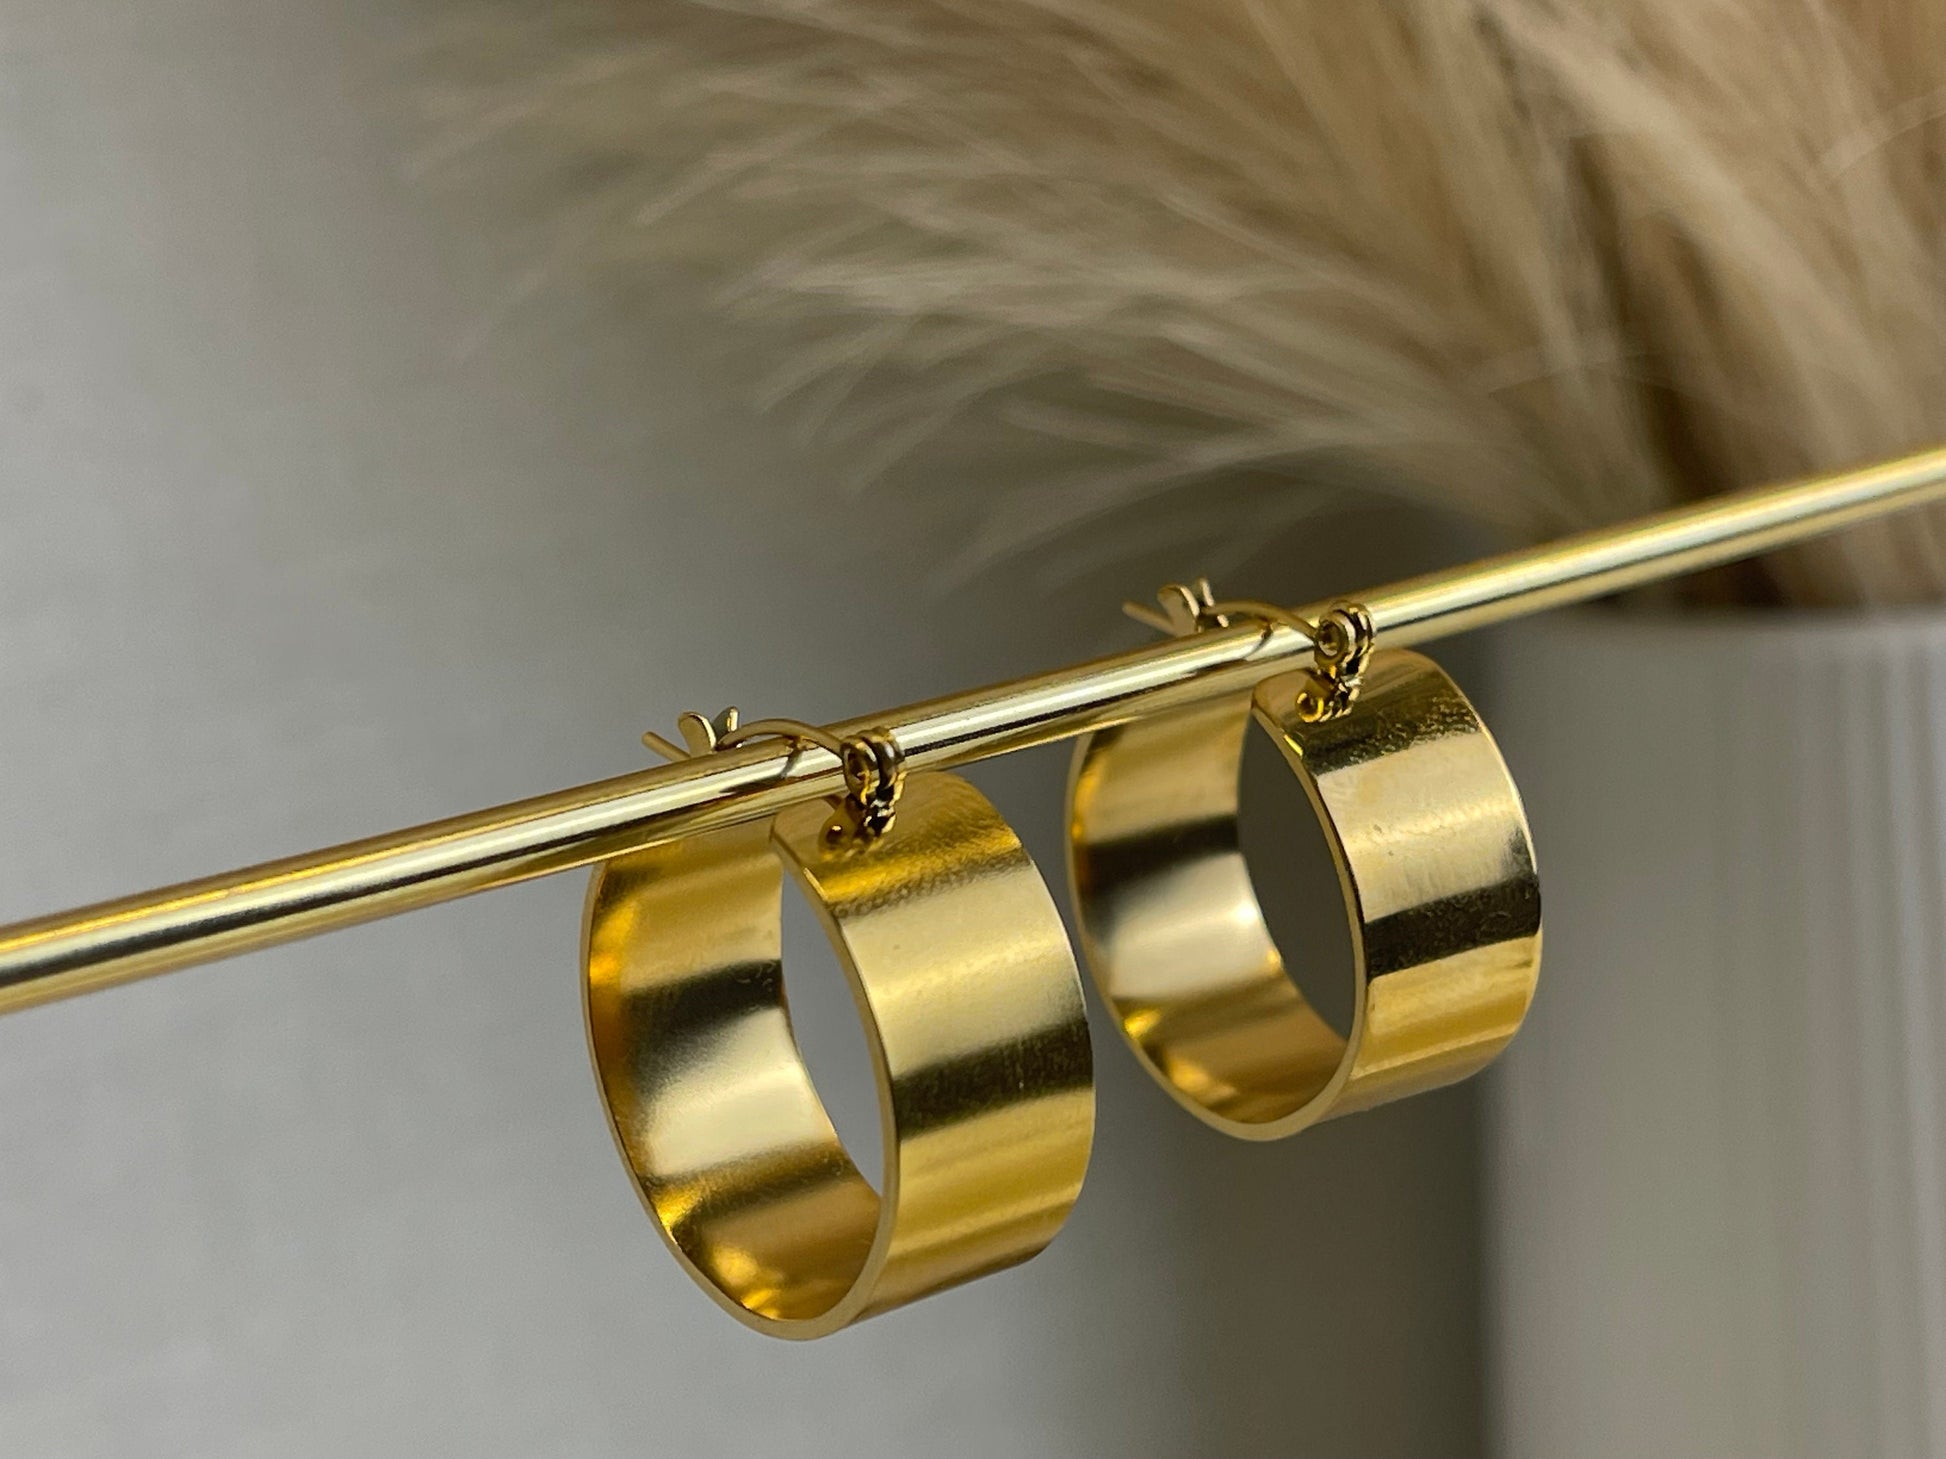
(175, 927)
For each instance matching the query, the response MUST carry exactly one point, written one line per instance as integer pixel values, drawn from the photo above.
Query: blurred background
(404, 406)
(313, 524)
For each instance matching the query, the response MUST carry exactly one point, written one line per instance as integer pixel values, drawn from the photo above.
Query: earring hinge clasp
(1342, 638)
(873, 762)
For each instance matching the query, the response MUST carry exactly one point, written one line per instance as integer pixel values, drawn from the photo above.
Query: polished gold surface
(113, 942)
(971, 1003)
(1433, 857)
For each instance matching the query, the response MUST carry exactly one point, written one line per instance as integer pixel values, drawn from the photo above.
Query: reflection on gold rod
(115, 942)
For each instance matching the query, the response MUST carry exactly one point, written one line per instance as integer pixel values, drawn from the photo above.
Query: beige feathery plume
(1544, 262)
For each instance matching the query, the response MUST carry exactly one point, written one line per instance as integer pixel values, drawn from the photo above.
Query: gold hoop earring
(971, 1003)
(1432, 852)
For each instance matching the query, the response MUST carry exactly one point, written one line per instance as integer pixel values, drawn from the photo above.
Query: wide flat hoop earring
(1433, 855)
(971, 1004)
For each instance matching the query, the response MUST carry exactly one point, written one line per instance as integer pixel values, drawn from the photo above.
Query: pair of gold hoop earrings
(969, 990)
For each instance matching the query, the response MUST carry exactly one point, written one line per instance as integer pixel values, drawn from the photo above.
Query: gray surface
(291, 551)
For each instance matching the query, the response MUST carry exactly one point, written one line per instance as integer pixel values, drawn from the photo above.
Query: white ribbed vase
(1717, 1205)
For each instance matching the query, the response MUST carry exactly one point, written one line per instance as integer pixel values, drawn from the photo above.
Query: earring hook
(1342, 639)
(873, 763)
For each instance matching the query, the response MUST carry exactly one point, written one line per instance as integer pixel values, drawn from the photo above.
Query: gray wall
(304, 535)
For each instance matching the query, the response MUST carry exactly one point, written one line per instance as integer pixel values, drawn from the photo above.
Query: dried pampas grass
(1544, 262)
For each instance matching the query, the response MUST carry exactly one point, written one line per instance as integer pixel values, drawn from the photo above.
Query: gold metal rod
(115, 942)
